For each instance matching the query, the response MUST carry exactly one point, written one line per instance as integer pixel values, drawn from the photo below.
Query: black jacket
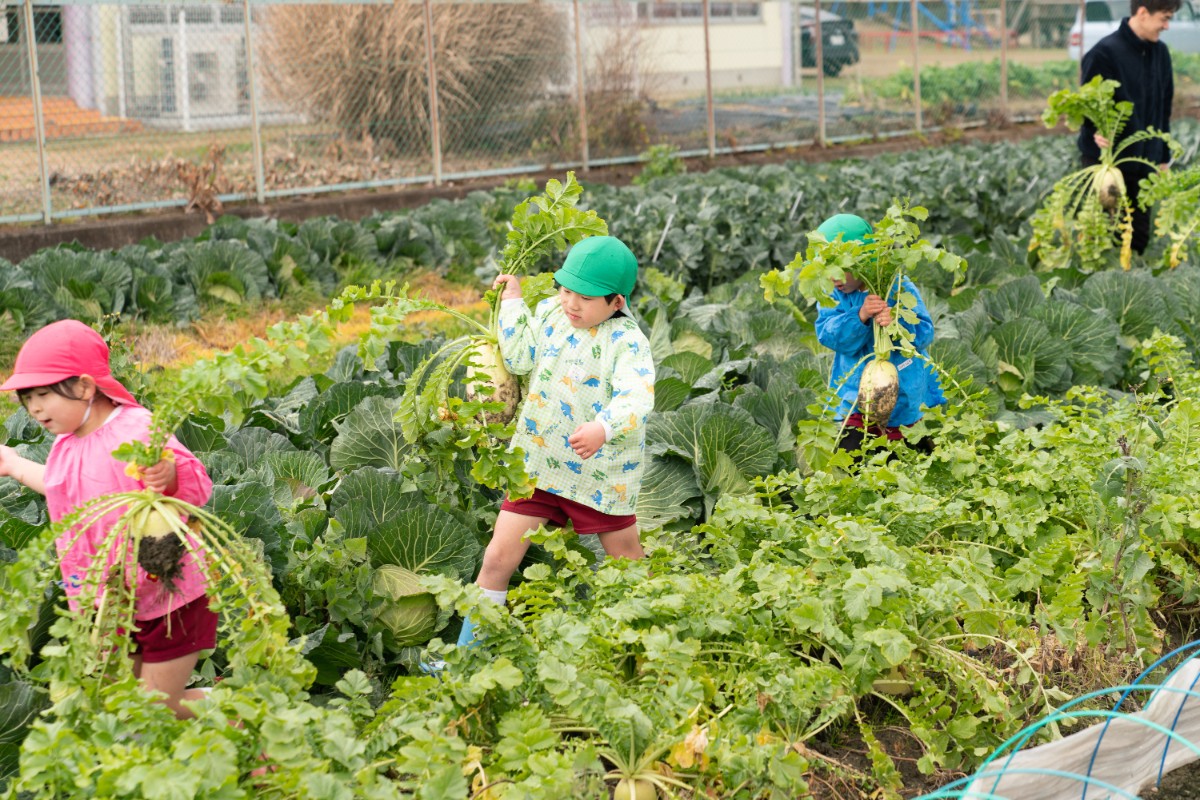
(1144, 70)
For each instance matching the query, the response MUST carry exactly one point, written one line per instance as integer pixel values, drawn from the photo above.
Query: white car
(1104, 17)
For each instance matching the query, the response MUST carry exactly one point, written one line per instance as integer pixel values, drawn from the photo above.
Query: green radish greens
(1089, 210)
(541, 226)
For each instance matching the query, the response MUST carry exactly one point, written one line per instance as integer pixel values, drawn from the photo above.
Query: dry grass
(213, 334)
(363, 68)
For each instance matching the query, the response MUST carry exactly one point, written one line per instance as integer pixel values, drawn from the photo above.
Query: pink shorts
(559, 510)
(193, 627)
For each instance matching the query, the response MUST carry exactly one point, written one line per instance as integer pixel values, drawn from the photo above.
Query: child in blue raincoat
(846, 328)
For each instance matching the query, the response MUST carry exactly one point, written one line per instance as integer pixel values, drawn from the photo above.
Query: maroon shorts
(188, 629)
(559, 510)
(893, 433)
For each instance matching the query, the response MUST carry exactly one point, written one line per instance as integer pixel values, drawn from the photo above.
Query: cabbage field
(800, 627)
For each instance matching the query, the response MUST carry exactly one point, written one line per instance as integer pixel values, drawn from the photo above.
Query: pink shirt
(82, 468)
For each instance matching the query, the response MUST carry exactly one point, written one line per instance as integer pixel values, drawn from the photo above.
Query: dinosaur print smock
(576, 376)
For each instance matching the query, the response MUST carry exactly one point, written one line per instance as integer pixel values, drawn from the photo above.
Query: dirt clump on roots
(160, 550)
(162, 558)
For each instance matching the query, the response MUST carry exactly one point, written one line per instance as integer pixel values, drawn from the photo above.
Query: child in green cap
(582, 426)
(846, 328)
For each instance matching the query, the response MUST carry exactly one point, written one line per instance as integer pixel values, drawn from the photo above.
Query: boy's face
(1149, 26)
(587, 312)
(848, 284)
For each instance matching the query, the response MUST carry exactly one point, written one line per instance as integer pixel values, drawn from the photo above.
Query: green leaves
(418, 536)
(1134, 300)
(1088, 211)
(547, 224)
(894, 248)
(1093, 101)
(1030, 359)
(1175, 194)
(223, 272)
(722, 443)
(370, 436)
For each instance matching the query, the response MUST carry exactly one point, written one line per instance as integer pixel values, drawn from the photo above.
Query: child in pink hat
(63, 380)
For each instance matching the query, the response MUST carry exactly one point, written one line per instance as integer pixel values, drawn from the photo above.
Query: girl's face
(57, 413)
(587, 312)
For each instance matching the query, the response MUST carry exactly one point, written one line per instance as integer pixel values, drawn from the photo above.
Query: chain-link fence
(116, 106)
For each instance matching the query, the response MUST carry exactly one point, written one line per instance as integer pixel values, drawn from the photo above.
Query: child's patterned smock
(82, 468)
(602, 374)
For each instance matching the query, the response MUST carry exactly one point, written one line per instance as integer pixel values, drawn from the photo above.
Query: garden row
(980, 81)
(791, 612)
(702, 229)
(783, 610)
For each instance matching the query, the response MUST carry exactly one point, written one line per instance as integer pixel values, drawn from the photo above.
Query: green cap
(851, 227)
(599, 266)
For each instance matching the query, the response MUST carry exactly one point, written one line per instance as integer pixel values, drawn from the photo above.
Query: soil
(840, 773)
(161, 558)
(1182, 784)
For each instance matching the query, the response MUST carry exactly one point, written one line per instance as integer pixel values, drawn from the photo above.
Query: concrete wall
(746, 53)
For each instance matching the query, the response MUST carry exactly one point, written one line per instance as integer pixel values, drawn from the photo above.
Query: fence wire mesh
(148, 105)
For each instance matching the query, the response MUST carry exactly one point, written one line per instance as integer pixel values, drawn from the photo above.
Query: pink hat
(62, 350)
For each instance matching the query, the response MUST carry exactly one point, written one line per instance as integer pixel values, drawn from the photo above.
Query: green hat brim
(582, 286)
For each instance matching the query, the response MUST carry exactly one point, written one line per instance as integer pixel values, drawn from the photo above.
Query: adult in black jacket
(1134, 56)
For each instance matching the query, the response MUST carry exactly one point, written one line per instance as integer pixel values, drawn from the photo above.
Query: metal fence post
(1082, 39)
(581, 89)
(39, 120)
(119, 38)
(1004, 58)
(435, 132)
(797, 47)
(260, 189)
(916, 57)
(712, 117)
(820, 55)
(185, 94)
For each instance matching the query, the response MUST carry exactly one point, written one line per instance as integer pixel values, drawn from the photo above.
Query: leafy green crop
(1089, 210)
(1175, 196)
(790, 608)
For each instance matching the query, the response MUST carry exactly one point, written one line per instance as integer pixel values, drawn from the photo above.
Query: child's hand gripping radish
(157, 527)
(163, 476)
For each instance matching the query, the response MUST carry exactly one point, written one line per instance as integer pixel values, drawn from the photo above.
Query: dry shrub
(620, 85)
(619, 88)
(363, 68)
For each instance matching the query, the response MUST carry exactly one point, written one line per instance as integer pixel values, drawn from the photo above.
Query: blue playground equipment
(956, 22)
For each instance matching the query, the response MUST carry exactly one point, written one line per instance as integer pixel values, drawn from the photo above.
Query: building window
(667, 11)
(47, 25)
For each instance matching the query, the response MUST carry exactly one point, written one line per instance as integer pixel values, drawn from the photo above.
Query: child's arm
(518, 341)
(923, 328)
(842, 328)
(633, 389)
(24, 471)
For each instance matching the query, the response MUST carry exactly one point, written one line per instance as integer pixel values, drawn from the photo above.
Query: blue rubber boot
(433, 667)
(466, 637)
